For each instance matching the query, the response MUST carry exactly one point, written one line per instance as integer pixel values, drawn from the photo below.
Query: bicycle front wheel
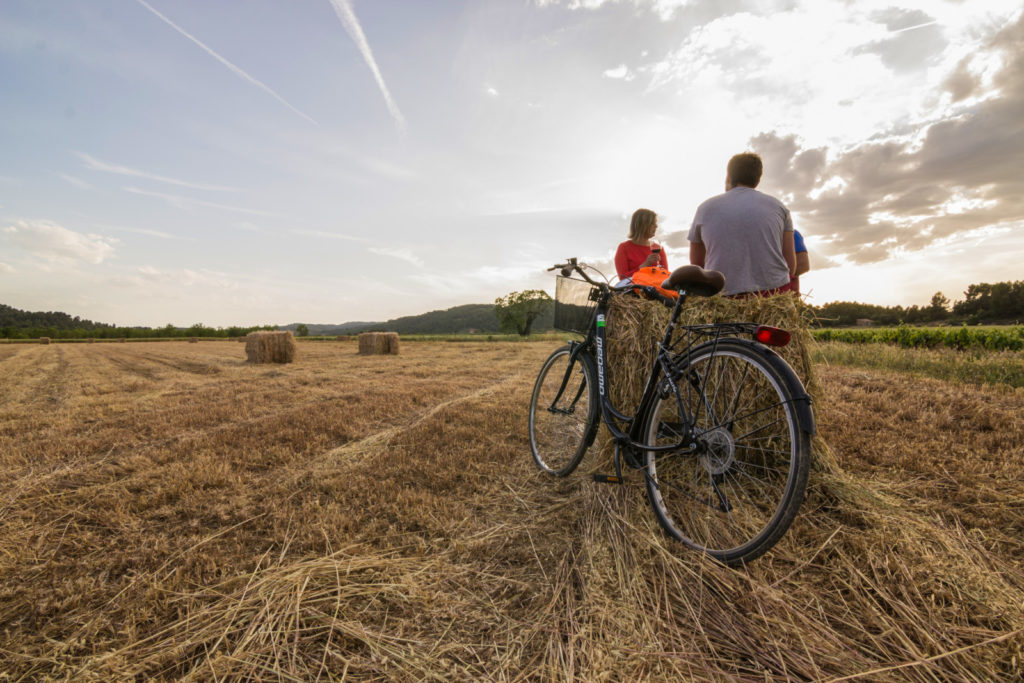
(734, 493)
(563, 411)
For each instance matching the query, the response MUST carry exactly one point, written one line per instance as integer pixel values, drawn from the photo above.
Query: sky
(325, 161)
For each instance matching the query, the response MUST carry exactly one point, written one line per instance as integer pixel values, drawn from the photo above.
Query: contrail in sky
(97, 165)
(235, 69)
(911, 28)
(343, 9)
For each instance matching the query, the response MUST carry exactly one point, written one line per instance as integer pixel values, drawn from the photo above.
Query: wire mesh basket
(575, 305)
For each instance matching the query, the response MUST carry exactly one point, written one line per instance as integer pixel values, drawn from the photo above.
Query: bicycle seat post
(676, 310)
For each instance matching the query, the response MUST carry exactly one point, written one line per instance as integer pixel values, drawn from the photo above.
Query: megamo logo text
(600, 354)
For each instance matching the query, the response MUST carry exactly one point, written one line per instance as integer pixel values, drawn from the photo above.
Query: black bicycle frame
(628, 441)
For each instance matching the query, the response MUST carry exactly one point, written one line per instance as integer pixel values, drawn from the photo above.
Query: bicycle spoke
(728, 500)
(563, 413)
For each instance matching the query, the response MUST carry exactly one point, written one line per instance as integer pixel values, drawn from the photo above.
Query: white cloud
(153, 233)
(56, 243)
(519, 272)
(665, 9)
(388, 170)
(329, 235)
(620, 72)
(188, 202)
(76, 182)
(94, 164)
(4, 268)
(402, 254)
(186, 277)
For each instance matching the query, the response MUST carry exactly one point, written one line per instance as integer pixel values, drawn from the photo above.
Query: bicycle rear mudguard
(801, 399)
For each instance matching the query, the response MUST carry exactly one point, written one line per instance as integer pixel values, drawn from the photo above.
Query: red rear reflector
(771, 336)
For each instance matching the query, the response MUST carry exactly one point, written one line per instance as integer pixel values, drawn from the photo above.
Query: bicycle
(722, 430)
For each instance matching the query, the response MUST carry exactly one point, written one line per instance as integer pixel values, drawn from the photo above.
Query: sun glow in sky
(336, 160)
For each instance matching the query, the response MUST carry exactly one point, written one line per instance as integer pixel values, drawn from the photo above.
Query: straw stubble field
(171, 512)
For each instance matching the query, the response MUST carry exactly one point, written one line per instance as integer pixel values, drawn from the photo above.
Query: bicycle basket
(575, 305)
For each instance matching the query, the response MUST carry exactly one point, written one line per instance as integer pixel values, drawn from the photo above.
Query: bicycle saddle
(695, 280)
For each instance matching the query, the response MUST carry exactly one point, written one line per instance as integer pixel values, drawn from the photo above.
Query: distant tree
(302, 330)
(197, 330)
(984, 302)
(939, 308)
(517, 311)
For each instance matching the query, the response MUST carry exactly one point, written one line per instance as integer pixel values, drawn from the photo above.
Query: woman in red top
(639, 251)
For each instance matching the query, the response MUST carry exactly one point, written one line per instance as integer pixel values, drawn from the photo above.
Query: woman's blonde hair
(641, 221)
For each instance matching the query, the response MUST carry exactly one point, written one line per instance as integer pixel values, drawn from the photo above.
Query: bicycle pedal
(607, 479)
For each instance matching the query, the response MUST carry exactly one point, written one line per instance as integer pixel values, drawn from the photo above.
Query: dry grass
(166, 516)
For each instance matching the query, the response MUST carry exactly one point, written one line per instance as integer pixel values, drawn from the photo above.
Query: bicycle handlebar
(572, 266)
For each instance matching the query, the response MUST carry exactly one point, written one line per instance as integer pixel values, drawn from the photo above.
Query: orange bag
(653, 276)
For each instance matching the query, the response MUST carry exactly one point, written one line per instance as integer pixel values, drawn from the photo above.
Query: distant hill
(329, 329)
(457, 320)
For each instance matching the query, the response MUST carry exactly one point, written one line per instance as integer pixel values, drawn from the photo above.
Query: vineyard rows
(1008, 338)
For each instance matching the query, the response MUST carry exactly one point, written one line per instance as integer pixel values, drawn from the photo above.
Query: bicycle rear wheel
(563, 411)
(737, 493)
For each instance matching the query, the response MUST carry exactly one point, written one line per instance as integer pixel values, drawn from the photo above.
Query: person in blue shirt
(803, 263)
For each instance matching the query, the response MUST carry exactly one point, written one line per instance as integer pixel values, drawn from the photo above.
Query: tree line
(532, 311)
(1002, 302)
(18, 324)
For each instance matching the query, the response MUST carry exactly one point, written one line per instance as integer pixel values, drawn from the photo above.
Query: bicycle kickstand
(612, 478)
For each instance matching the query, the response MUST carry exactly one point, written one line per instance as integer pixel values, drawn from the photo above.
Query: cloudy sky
(183, 161)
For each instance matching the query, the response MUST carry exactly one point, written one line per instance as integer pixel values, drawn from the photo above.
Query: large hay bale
(193, 340)
(378, 343)
(391, 339)
(635, 326)
(44, 340)
(270, 347)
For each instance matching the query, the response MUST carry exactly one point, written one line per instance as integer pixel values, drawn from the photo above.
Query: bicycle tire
(737, 496)
(560, 434)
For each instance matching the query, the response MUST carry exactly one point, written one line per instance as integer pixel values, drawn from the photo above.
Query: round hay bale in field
(636, 326)
(44, 340)
(122, 340)
(193, 340)
(378, 343)
(270, 347)
(90, 340)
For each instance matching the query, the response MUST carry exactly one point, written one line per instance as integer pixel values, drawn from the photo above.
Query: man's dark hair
(745, 169)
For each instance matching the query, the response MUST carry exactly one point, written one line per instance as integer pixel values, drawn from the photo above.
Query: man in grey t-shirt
(744, 234)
